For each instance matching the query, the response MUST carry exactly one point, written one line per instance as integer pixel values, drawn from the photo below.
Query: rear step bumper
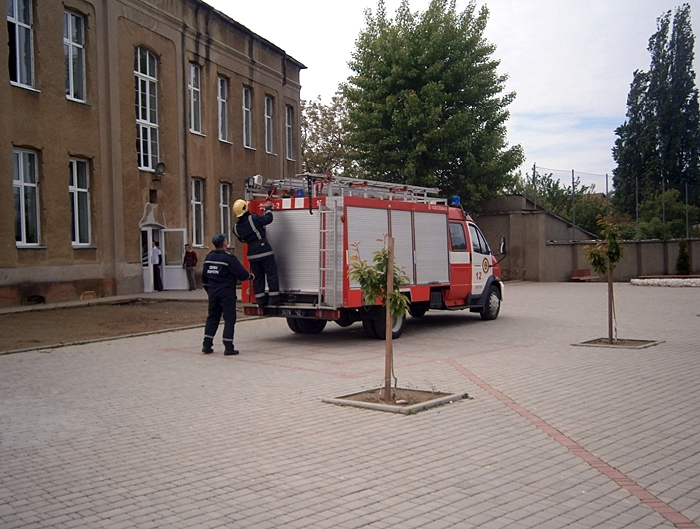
(292, 311)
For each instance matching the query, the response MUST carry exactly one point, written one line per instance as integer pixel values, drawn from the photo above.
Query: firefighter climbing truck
(320, 221)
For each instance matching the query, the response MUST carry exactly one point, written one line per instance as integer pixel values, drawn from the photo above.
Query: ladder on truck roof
(317, 184)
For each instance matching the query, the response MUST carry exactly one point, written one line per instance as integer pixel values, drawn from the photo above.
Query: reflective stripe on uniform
(259, 255)
(217, 262)
(252, 226)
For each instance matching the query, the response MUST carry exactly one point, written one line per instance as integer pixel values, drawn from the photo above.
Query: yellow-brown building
(126, 122)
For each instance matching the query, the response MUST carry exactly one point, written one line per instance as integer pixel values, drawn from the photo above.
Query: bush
(683, 265)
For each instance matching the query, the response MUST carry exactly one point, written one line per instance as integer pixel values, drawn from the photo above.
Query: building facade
(126, 122)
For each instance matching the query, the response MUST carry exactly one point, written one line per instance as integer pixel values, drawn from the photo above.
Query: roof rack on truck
(320, 184)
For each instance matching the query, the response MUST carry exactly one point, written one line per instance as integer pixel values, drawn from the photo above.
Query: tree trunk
(611, 307)
(389, 353)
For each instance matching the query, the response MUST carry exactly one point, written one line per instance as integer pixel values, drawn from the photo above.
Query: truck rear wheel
(378, 325)
(293, 323)
(311, 326)
(493, 304)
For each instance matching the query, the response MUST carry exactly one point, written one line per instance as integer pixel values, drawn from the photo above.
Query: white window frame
(269, 125)
(289, 132)
(146, 102)
(25, 187)
(222, 90)
(247, 117)
(197, 202)
(79, 193)
(74, 51)
(19, 16)
(194, 85)
(225, 209)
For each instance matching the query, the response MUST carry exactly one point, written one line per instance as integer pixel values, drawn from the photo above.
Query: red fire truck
(321, 220)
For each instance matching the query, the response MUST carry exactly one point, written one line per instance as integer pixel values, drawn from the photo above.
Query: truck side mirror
(502, 246)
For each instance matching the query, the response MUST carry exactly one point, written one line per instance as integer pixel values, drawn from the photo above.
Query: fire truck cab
(321, 220)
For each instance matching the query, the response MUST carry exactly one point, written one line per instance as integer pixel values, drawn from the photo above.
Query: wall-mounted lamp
(159, 171)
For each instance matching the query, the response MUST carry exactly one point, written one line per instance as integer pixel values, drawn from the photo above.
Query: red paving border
(601, 466)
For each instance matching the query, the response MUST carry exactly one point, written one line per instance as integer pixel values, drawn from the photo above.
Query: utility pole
(534, 182)
(573, 206)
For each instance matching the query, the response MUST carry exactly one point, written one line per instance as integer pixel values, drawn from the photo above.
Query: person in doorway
(220, 273)
(156, 260)
(189, 263)
(250, 229)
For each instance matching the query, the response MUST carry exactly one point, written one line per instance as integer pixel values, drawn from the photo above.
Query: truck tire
(293, 323)
(311, 326)
(368, 327)
(493, 304)
(397, 326)
(418, 310)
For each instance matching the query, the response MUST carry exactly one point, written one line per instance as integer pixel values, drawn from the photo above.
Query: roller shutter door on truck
(402, 231)
(366, 226)
(294, 236)
(432, 261)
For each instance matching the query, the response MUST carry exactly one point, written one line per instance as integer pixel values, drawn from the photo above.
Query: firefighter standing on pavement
(250, 229)
(219, 276)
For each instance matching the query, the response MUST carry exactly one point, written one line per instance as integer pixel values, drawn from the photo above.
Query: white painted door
(172, 245)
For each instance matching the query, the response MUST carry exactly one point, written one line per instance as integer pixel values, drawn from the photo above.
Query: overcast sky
(569, 61)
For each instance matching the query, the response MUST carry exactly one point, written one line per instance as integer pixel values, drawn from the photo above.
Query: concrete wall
(540, 247)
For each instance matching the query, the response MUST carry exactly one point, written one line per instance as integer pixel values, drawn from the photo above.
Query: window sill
(24, 86)
(83, 247)
(290, 159)
(249, 148)
(197, 133)
(21, 246)
(226, 142)
(271, 153)
(79, 101)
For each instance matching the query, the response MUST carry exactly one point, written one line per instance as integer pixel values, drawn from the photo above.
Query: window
(79, 193)
(26, 195)
(195, 99)
(479, 244)
(269, 143)
(459, 241)
(197, 213)
(289, 132)
(222, 102)
(225, 210)
(146, 109)
(19, 28)
(247, 123)
(74, 51)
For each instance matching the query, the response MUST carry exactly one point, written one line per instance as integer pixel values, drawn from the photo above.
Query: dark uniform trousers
(265, 267)
(221, 302)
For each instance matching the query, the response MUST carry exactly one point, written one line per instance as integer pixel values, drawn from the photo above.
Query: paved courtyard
(147, 432)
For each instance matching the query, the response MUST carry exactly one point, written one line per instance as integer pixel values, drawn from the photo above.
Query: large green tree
(323, 136)
(658, 146)
(426, 103)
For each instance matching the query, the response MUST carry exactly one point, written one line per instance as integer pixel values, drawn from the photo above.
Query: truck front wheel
(493, 304)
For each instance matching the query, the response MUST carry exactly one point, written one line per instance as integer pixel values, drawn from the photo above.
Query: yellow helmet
(240, 207)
